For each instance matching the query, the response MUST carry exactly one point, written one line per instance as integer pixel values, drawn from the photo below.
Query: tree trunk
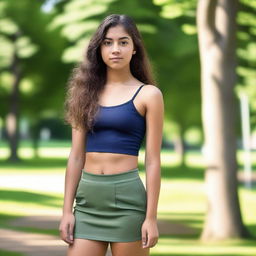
(179, 147)
(34, 131)
(217, 32)
(12, 119)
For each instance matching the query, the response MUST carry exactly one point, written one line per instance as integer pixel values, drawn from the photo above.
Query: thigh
(84, 247)
(128, 249)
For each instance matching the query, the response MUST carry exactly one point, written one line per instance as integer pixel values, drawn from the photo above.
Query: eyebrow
(120, 38)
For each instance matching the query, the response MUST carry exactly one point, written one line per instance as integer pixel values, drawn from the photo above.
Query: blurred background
(203, 55)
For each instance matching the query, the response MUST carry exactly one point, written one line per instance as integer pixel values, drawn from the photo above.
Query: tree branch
(206, 15)
(226, 22)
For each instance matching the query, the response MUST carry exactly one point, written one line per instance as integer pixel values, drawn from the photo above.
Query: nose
(116, 48)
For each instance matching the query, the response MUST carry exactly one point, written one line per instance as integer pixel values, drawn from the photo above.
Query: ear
(134, 52)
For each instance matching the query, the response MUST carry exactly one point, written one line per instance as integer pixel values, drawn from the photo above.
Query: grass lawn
(7, 253)
(182, 202)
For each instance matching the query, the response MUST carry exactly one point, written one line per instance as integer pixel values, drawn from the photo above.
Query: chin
(116, 67)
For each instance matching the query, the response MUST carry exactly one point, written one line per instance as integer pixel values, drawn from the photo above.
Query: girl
(111, 104)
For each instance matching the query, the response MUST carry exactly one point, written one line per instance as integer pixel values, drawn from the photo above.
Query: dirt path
(44, 245)
(31, 244)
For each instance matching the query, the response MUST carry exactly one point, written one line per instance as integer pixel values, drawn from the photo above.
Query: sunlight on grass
(241, 156)
(248, 206)
(44, 152)
(4, 153)
(169, 158)
(27, 209)
(174, 246)
(181, 196)
(27, 202)
(195, 159)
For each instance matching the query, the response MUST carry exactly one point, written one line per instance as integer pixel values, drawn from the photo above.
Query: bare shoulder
(152, 94)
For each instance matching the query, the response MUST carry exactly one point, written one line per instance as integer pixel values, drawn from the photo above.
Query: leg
(128, 249)
(84, 247)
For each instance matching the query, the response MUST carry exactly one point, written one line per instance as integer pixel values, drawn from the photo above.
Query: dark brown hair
(89, 77)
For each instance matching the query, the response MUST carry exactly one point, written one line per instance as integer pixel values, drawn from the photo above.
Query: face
(117, 48)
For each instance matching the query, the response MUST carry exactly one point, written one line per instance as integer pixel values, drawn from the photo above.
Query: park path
(32, 244)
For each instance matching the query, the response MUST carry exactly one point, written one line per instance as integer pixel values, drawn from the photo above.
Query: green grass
(182, 203)
(8, 253)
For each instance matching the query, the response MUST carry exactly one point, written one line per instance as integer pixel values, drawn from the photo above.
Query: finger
(67, 240)
(153, 242)
(144, 238)
(147, 245)
(64, 234)
(70, 232)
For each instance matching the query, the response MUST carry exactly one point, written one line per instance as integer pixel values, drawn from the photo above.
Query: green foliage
(43, 76)
(25, 48)
(246, 53)
(78, 20)
(174, 9)
(184, 12)
(9, 29)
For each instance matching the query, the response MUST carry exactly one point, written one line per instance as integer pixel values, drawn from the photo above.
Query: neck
(117, 77)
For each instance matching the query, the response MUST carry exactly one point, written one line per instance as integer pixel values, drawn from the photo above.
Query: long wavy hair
(89, 77)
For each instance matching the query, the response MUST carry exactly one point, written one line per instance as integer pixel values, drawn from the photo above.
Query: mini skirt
(110, 207)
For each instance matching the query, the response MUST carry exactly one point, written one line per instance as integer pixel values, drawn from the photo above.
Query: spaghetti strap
(137, 92)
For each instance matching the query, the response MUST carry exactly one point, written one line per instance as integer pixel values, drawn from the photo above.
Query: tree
(246, 53)
(179, 69)
(31, 73)
(17, 47)
(216, 21)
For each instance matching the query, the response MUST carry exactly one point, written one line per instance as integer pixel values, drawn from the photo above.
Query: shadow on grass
(8, 253)
(4, 218)
(188, 240)
(30, 197)
(38, 163)
(190, 219)
(182, 172)
(241, 166)
(6, 221)
(252, 229)
(192, 254)
(195, 214)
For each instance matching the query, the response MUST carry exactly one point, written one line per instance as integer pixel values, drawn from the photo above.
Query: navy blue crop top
(117, 129)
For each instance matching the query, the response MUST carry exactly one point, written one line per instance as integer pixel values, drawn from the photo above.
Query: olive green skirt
(110, 207)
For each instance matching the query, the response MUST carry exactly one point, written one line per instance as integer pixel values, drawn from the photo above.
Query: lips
(116, 58)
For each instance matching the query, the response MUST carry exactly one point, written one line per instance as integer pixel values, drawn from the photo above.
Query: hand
(150, 233)
(66, 228)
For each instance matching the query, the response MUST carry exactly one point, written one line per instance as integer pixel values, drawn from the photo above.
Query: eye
(106, 43)
(124, 42)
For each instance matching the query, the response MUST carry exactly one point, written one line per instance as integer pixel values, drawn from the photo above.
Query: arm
(74, 166)
(154, 119)
(73, 173)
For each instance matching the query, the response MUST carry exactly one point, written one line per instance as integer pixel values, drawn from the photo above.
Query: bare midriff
(109, 163)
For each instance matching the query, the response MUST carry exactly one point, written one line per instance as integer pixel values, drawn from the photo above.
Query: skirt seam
(111, 182)
(106, 239)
